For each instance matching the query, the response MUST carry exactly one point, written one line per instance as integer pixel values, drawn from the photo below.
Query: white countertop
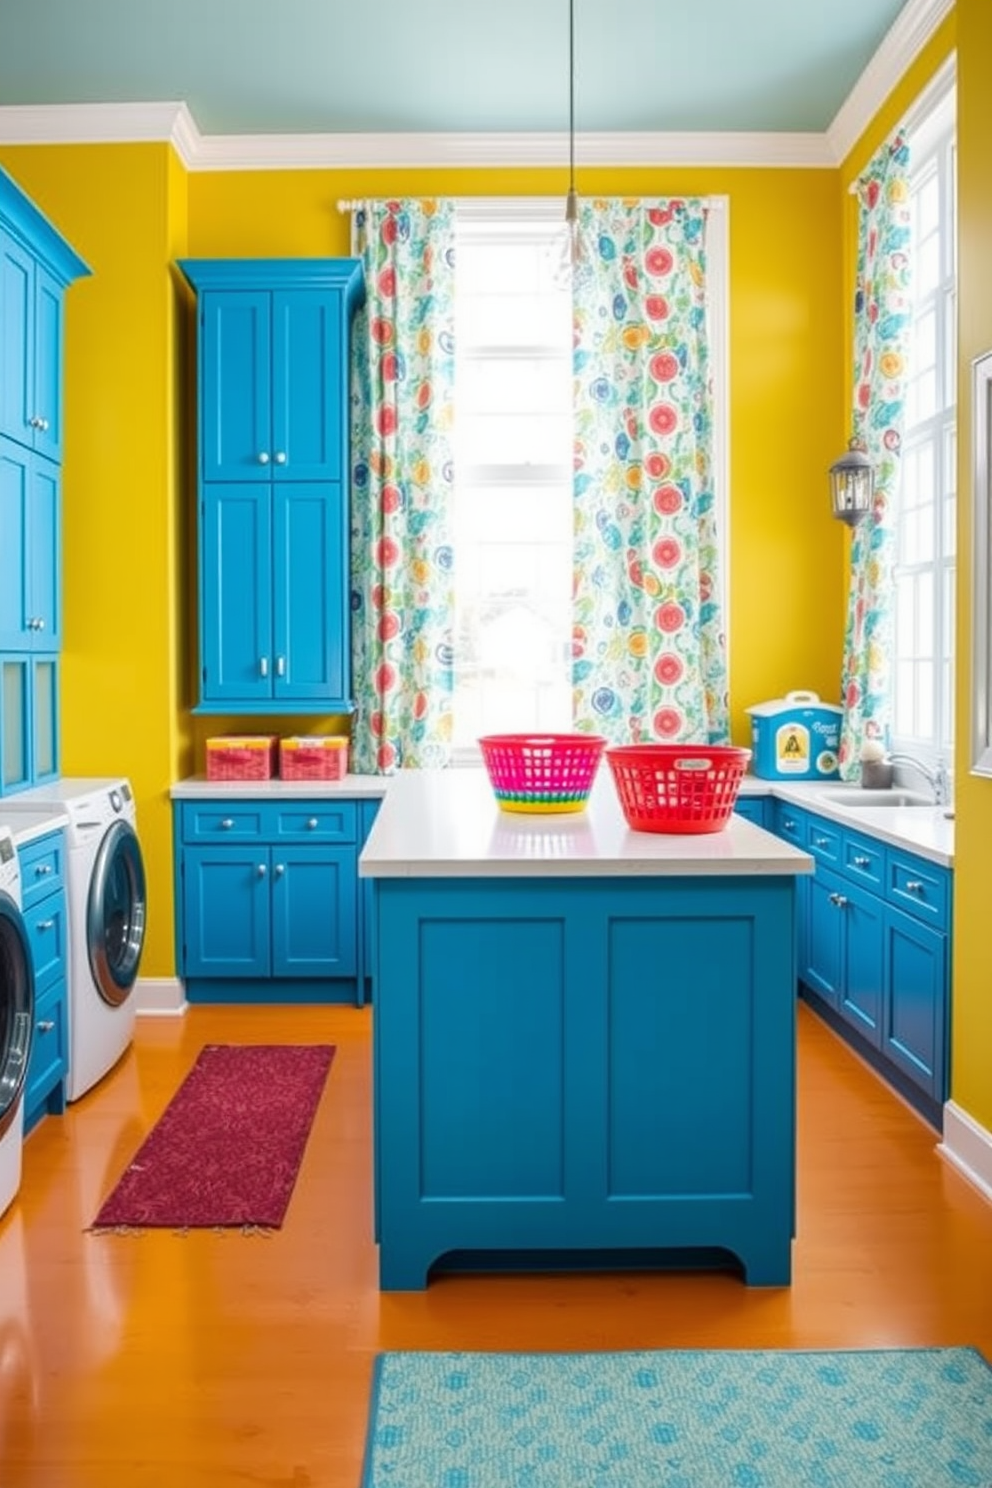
(27, 825)
(925, 830)
(446, 824)
(198, 788)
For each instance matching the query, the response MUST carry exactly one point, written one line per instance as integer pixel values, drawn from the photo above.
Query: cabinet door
(226, 912)
(17, 270)
(15, 723)
(15, 485)
(864, 961)
(366, 885)
(235, 386)
(309, 614)
(313, 912)
(309, 385)
(915, 1002)
(823, 962)
(236, 593)
(751, 807)
(43, 540)
(47, 365)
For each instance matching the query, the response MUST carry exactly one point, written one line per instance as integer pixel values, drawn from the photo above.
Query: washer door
(16, 1008)
(115, 914)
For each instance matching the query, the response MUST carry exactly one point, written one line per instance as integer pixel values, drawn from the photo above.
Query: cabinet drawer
(864, 860)
(918, 887)
(790, 823)
(48, 1057)
(235, 821)
(752, 808)
(42, 865)
(316, 821)
(824, 841)
(46, 926)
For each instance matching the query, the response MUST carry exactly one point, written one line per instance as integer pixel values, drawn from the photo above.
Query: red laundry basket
(677, 787)
(542, 773)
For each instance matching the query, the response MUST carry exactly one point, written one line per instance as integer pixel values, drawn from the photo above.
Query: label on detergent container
(792, 749)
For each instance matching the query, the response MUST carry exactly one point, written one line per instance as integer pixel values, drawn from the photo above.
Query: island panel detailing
(596, 1069)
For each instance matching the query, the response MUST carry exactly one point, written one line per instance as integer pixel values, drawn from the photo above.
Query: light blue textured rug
(890, 1418)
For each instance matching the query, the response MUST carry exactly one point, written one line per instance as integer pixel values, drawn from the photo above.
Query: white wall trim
(159, 997)
(901, 45)
(968, 1147)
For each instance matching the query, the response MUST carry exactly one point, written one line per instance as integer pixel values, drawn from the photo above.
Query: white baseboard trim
(159, 997)
(967, 1147)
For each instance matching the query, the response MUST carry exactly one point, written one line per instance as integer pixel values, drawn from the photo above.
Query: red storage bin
(313, 757)
(241, 757)
(677, 787)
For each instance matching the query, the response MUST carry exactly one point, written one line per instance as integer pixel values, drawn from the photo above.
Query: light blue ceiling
(301, 66)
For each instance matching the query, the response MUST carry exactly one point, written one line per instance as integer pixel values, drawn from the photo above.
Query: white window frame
(547, 210)
(931, 131)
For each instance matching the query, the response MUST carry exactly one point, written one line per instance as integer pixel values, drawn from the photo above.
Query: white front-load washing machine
(16, 1019)
(106, 908)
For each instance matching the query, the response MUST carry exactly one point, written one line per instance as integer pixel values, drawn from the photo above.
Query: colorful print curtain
(649, 654)
(881, 338)
(402, 478)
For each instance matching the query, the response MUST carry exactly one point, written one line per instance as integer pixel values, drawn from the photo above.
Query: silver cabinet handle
(280, 457)
(227, 823)
(44, 924)
(39, 624)
(789, 824)
(280, 869)
(313, 823)
(861, 862)
(262, 870)
(263, 458)
(839, 899)
(821, 841)
(34, 422)
(914, 886)
(42, 869)
(263, 666)
(280, 666)
(45, 1026)
(43, 425)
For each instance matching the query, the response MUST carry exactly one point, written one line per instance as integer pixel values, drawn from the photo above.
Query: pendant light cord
(571, 95)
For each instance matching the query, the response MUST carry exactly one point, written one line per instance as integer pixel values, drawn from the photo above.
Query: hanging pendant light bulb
(570, 252)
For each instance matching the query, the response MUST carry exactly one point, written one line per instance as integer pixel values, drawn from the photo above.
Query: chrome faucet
(938, 779)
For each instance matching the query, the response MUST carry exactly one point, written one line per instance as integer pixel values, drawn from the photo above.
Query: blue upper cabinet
(272, 362)
(36, 267)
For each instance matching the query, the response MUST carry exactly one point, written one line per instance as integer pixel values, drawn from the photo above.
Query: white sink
(874, 798)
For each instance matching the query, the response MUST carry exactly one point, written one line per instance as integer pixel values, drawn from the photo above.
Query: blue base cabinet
(42, 864)
(874, 952)
(581, 1071)
(273, 477)
(268, 902)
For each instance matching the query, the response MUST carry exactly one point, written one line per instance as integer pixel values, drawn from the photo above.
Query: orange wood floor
(224, 1361)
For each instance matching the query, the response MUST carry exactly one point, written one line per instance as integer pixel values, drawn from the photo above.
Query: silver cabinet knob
(45, 1025)
(42, 869)
(914, 886)
(44, 925)
(860, 862)
(227, 823)
(280, 869)
(280, 457)
(263, 666)
(263, 458)
(821, 841)
(43, 425)
(789, 824)
(839, 899)
(313, 823)
(262, 870)
(39, 624)
(34, 421)
(280, 666)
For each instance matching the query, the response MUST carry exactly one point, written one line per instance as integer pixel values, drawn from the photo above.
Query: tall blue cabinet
(37, 265)
(272, 482)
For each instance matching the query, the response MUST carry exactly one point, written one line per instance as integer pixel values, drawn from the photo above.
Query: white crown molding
(968, 1147)
(899, 48)
(97, 124)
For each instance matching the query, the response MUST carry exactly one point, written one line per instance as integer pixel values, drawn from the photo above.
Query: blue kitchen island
(584, 1038)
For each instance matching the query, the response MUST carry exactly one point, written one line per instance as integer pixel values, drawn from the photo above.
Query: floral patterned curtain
(402, 481)
(649, 649)
(881, 337)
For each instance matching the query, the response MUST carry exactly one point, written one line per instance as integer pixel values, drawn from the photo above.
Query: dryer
(106, 905)
(16, 1019)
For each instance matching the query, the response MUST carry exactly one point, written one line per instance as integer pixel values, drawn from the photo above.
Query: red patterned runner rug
(227, 1149)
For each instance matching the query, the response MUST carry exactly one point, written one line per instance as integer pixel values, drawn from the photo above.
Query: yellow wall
(130, 211)
(972, 1044)
(119, 716)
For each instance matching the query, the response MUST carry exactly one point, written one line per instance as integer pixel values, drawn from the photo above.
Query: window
(513, 460)
(923, 675)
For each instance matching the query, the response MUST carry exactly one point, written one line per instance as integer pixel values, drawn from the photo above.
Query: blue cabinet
(42, 864)
(267, 902)
(273, 473)
(368, 810)
(36, 267)
(753, 808)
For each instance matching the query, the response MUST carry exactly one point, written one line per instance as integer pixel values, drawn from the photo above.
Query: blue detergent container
(795, 738)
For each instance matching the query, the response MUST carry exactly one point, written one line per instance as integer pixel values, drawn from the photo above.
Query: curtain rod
(715, 203)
